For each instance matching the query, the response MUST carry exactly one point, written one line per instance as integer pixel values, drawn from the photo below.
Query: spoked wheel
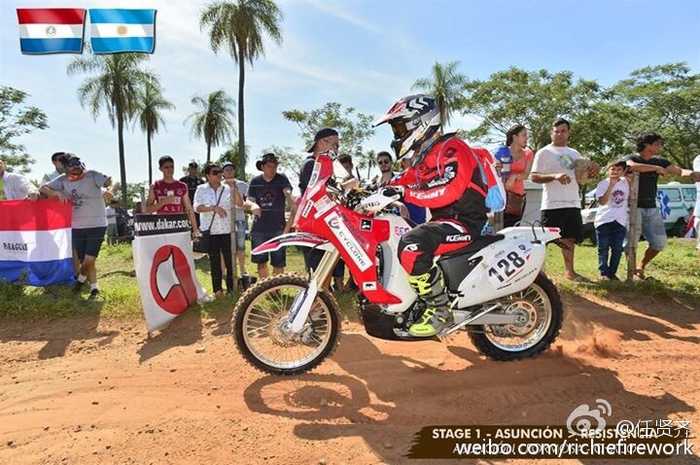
(539, 318)
(259, 327)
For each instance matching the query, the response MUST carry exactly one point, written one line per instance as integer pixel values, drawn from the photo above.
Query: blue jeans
(610, 237)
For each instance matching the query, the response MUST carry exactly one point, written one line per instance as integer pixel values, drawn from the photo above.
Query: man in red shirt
(169, 195)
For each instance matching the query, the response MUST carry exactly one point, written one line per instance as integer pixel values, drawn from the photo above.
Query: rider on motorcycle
(447, 177)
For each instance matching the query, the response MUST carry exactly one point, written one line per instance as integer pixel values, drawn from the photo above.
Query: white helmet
(414, 120)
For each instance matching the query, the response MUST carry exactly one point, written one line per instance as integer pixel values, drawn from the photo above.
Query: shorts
(241, 231)
(112, 230)
(277, 259)
(568, 220)
(88, 241)
(653, 228)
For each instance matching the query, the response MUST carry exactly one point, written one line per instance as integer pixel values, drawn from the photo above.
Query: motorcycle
(288, 324)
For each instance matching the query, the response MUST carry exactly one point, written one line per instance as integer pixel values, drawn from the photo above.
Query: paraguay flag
(35, 242)
(115, 31)
(51, 30)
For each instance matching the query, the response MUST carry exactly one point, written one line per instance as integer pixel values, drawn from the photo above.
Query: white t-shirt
(205, 195)
(549, 160)
(617, 207)
(696, 167)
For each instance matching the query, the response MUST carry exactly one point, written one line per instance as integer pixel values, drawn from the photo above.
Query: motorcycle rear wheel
(542, 293)
(262, 308)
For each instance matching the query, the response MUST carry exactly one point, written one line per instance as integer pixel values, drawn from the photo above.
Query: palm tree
(114, 84)
(239, 27)
(149, 106)
(446, 85)
(213, 120)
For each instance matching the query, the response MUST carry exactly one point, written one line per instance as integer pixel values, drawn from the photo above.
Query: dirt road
(86, 391)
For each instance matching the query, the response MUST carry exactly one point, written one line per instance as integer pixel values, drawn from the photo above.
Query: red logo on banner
(171, 280)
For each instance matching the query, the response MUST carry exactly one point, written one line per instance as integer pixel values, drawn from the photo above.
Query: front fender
(303, 239)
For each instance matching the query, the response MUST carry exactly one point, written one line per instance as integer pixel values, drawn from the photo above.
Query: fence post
(633, 230)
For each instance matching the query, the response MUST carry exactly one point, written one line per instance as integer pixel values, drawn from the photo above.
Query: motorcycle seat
(474, 247)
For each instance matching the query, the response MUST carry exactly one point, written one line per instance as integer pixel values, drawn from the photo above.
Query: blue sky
(357, 52)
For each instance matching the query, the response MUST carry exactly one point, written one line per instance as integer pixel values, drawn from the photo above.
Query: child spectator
(611, 219)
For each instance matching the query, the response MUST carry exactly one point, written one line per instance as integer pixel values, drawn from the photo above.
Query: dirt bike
(288, 324)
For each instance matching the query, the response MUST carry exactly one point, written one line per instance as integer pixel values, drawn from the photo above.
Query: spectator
(193, 180)
(112, 229)
(696, 213)
(84, 190)
(611, 219)
(239, 189)
(170, 196)
(386, 174)
(13, 186)
(325, 140)
(58, 159)
(267, 194)
(650, 166)
(213, 201)
(520, 163)
(561, 204)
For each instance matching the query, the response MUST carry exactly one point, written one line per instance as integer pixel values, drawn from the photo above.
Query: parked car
(677, 200)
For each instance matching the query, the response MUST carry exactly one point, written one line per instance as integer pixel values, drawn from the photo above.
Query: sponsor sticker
(369, 286)
(323, 205)
(366, 225)
(348, 241)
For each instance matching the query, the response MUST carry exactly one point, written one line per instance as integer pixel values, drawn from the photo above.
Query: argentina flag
(121, 30)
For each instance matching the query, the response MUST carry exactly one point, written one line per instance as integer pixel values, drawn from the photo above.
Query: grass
(675, 274)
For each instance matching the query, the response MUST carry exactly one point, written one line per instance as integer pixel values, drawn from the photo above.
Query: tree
(665, 99)
(446, 85)
(149, 107)
(231, 155)
(114, 84)
(239, 27)
(17, 119)
(135, 192)
(532, 98)
(213, 120)
(354, 128)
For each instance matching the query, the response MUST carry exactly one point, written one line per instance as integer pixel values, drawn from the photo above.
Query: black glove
(392, 191)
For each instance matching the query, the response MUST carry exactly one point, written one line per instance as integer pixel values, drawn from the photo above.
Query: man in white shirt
(13, 186)
(554, 167)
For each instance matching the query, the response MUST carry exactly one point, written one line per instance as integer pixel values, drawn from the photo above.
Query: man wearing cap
(326, 139)
(267, 195)
(239, 190)
(192, 180)
(84, 190)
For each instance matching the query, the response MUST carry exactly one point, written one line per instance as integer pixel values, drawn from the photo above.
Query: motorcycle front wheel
(261, 314)
(541, 312)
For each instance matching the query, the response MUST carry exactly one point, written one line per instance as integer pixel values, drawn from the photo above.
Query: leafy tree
(445, 84)
(149, 108)
(135, 192)
(17, 119)
(232, 155)
(114, 84)
(239, 27)
(532, 98)
(665, 99)
(354, 128)
(213, 120)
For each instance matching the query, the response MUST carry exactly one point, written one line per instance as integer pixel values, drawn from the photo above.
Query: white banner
(164, 268)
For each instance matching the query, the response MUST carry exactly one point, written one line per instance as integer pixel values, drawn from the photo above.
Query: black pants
(220, 244)
(419, 246)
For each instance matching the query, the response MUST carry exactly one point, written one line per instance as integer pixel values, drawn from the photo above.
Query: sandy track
(85, 391)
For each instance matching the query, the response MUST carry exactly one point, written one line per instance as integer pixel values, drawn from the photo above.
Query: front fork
(318, 278)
